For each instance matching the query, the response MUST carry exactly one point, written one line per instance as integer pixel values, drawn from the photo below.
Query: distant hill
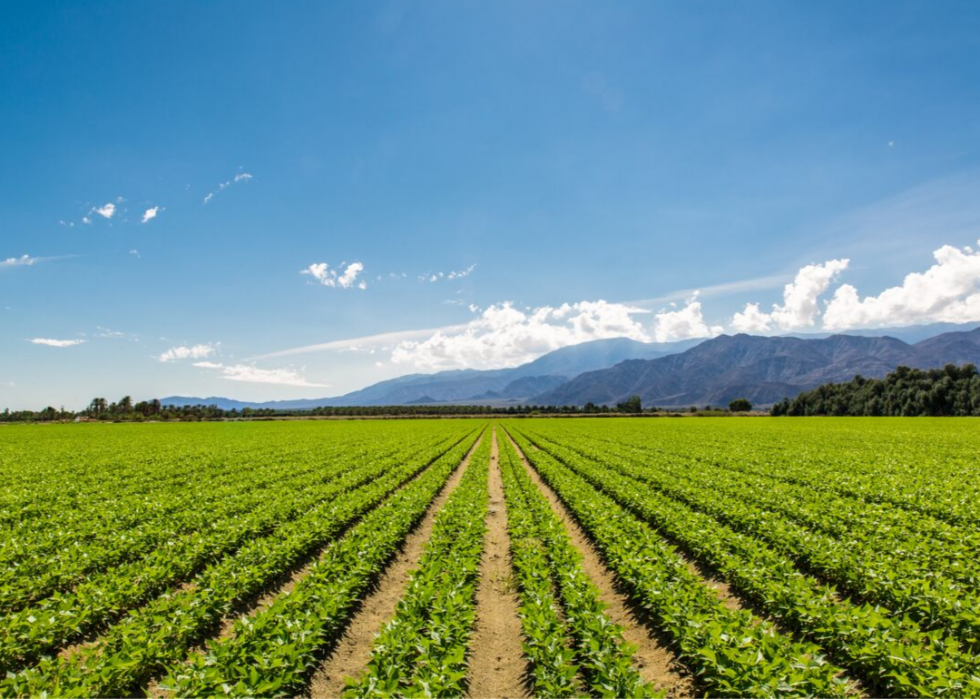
(763, 369)
(544, 379)
(460, 385)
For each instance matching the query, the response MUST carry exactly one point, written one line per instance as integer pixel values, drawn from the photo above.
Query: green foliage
(633, 404)
(951, 391)
(422, 651)
(740, 405)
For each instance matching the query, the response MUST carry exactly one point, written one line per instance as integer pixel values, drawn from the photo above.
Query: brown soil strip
(497, 665)
(655, 662)
(353, 651)
(715, 582)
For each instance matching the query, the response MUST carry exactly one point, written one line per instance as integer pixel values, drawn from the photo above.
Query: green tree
(633, 404)
(740, 405)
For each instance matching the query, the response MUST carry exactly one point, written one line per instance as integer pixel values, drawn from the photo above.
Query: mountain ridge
(763, 369)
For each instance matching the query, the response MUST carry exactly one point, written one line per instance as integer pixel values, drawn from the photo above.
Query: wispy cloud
(22, 261)
(771, 281)
(347, 279)
(30, 261)
(379, 340)
(55, 343)
(241, 176)
(432, 277)
(252, 374)
(188, 352)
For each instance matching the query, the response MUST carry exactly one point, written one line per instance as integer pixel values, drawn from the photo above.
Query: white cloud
(56, 343)
(150, 214)
(461, 273)
(751, 320)
(329, 277)
(193, 352)
(800, 306)
(436, 276)
(22, 261)
(106, 211)
(134, 252)
(506, 336)
(949, 291)
(252, 374)
(683, 324)
(240, 177)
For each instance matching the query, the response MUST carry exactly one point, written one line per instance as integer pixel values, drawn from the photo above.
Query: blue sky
(548, 153)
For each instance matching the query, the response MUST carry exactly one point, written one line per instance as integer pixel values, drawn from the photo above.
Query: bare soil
(353, 651)
(497, 666)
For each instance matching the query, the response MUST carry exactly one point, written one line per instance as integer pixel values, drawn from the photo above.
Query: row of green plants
(157, 637)
(925, 466)
(890, 654)
(731, 652)
(559, 602)
(274, 651)
(423, 650)
(45, 566)
(912, 546)
(105, 597)
(893, 579)
(895, 526)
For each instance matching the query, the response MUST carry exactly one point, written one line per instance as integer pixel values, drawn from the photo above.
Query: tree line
(126, 410)
(950, 391)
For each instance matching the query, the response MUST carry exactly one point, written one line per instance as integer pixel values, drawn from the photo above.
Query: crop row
(40, 576)
(731, 651)
(273, 652)
(887, 579)
(891, 655)
(422, 651)
(873, 526)
(59, 619)
(157, 636)
(539, 539)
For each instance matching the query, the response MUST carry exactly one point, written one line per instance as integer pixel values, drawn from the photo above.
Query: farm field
(519, 557)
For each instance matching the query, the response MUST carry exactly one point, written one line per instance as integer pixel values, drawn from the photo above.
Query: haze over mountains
(693, 372)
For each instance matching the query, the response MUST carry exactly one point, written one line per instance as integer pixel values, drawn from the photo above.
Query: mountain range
(762, 369)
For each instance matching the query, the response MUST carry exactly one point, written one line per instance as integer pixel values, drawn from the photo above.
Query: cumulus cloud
(22, 261)
(252, 374)
(192, 352)
(800, 306)
(150, 214)
(56, 343)
(107, 211)
(330, 277)
(243, 177)
(752, 320)
(506, 336)
(949, 291)
(683, 324)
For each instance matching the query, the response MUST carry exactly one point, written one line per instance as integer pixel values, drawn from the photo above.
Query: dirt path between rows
(497, 665)
(655, 662)
(353, 651)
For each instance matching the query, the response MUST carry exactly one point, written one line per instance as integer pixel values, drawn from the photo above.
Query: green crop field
(534, 557)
